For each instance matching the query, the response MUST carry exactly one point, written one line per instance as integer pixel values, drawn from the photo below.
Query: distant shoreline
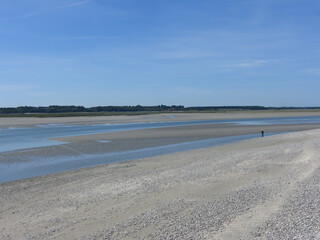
(137, 113)
(72, 110)
(31, 120)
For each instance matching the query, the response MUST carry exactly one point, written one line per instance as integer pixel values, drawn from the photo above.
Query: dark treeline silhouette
(73, 109)
(137, 108)
(213, 108)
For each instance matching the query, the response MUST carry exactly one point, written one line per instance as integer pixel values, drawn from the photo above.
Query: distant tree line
(137, 108)
(73, 109)
(213, 108)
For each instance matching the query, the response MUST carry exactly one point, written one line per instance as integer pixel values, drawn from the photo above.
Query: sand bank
(266, 188)
(105, 143)
(30, 121)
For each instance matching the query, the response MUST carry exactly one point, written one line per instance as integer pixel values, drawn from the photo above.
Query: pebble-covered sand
(265, 188)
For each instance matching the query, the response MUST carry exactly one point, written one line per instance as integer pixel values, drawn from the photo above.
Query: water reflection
(23, 138)
(42, 166)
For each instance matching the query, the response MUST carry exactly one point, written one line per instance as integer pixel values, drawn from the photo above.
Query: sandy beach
(264, 188)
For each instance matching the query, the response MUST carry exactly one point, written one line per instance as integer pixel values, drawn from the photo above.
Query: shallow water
(42, 166)
(23, 138)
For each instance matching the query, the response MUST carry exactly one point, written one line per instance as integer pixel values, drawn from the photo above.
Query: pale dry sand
(266, 188)
(30, 121)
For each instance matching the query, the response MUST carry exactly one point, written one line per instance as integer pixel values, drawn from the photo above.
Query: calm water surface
(24, 138)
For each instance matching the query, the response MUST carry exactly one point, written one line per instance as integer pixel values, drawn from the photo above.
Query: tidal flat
(262, 188)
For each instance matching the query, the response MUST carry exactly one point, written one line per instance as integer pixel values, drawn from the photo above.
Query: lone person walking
(262, 133)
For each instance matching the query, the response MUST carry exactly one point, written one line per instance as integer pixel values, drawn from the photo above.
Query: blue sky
(150, 52)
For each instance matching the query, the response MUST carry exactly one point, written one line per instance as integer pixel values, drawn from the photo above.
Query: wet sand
(131, 140)
(140, 139)
(265, 188)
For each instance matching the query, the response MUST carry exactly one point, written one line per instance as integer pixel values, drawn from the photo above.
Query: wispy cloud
(192, 90)
(312, 71)
(15, 87)
(84, 38)
(218, 44)
(28, 15)
(254, 63)
(72, 5)
(31, 14)
(180, 54)
(33, 60)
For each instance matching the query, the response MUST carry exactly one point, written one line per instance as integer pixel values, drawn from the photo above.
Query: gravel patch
(300, 215)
